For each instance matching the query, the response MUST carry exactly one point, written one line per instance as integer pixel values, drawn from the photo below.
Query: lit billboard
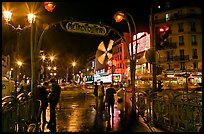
(143, 41)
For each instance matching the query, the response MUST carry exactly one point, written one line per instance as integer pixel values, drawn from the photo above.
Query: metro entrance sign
(82, 27)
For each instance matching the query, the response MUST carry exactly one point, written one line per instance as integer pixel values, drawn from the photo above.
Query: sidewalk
(141, 122)
(113, 125)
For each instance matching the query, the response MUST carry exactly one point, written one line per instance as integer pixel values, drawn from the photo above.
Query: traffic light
(162, 33)
(159, 88)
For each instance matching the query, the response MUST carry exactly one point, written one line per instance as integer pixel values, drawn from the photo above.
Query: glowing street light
(73, 64)
(49, 68)
(31, 18)
(7, 15)
(119, 16)
(43, 57)
(19, 63)
(52, 58)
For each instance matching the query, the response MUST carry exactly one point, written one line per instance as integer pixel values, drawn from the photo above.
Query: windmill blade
(101, 47)
(109, 55)
(102, 58)
(99, 53)
(110, 45)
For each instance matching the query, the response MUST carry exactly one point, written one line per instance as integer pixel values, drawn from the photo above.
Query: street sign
(83, 27)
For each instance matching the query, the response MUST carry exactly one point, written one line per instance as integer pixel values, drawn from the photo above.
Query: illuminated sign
(102, 71)
(143, 42)
(87, 28)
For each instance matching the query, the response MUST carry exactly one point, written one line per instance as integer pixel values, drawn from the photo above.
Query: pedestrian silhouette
(109, 99)
(54, 97)
(95, 89)
(121, 99)
(44, 102)
(96, 94)
(101, 94)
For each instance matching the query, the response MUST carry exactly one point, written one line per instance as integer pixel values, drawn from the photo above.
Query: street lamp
(19, 63)
(73, 64)
(43, 70)
(49, 68)
(7, 17)
(43, 57)
(119, 16)
(52, 58)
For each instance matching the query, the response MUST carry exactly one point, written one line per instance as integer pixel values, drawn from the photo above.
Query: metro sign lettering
(86, 28)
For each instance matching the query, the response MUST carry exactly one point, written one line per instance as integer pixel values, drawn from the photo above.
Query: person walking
(101, 94)
(54, 97)
(95, 89)
(120, 99)
(110, 99)
(44, 102)
(96, 94)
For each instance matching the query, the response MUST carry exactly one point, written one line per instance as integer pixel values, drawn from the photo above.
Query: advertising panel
(143, 41)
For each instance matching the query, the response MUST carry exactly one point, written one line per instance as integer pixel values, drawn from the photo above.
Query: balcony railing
(174, 58)
(178, 17)
(195, 57)
(171, 45)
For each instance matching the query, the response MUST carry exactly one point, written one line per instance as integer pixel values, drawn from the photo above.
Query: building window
(194, 54)
(195, 65)
(193, 40)
(180, 25)
(193, 27)
(182, 66)
(182, 54)
(167, 16)
(181, 40)
(170, 67)
(169, 55)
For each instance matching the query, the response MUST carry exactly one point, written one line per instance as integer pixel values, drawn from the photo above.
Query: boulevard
(77, 114)
(151, 52)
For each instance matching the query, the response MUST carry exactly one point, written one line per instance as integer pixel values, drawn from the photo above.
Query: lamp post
(73, 64)
(7, 17)
(119, 16)
(43, 68)
(19, 63)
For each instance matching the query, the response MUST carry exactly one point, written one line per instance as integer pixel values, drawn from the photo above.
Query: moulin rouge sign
(86, 28)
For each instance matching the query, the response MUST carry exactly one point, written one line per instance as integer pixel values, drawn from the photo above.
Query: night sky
(94, 12)
(72, 46)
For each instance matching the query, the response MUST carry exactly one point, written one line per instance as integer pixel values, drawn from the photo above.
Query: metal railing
(16, 112)
(174, 111)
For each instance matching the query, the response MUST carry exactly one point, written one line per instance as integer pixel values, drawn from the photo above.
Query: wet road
(78, 114)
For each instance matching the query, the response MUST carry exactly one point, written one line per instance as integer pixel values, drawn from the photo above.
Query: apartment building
(185, 39)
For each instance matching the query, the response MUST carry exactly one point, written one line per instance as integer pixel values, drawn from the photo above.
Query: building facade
(185, 38)
(184, 50)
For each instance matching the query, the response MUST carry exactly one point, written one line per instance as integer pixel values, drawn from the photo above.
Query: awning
(142, 60)
(149, 77)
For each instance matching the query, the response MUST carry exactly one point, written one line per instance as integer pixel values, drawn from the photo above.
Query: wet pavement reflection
(78, 114)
